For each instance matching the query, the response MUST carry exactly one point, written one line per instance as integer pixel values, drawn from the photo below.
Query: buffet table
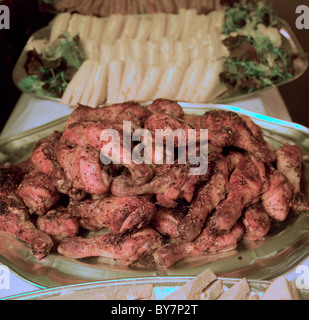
(31, 112)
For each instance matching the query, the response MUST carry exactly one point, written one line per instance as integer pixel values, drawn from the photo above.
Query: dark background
(295, 94)
(26, 17)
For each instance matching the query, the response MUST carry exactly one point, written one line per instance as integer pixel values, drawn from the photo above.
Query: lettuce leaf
(247, 15)
(50, 70)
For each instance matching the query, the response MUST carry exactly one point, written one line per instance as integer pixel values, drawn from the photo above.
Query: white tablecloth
(31, 112)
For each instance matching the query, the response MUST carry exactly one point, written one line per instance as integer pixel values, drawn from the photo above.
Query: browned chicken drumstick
(58, 224)
(118, 214)
(256, 221)
(116, 113)
(166, 220)
(247, 182)
(43, 156)
(163, 122)
(127, 248)
(174, 183)
(89, 133)
(44, 159)
(278, 199)
(14, 220)
(65, 194)
(38, 192)
(289, 163)
(226, 128)
(84, 169)
(207, 199)
(208, 242)
(12, 175)
(172, 108)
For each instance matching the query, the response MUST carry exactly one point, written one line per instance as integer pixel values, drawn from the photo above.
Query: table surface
(31, 112)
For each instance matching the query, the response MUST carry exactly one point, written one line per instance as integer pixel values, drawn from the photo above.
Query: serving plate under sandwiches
(291, 44)
(284, 246)
(162, 287)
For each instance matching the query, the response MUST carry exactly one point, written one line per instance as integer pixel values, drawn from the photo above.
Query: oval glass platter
(284, 246)
(290, 41)
(161, 288)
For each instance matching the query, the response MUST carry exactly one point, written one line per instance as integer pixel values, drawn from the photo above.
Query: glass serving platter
(289, 39)
(161, 288)
(285, 245)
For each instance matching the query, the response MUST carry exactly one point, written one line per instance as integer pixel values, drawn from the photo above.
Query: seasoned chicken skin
(127, 248)
(38, 192)
(247, 182)
(172, 184)
(89, 133)
(118, 214)
(84, 169)
(43, 155)
(289, 163)
(166, 220)
(278, 199)
(44, 159)
(256, 221)
(164, 122)
(12, 175)
(226, 128)
(116, 113)
(58, 224)
(15, 220)
(208, 242)
(167, 106)
(75, 188)
(207, 199)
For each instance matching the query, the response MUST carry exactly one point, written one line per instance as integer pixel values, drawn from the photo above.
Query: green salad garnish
(257, 57)
(50, 70)
(248, 14)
